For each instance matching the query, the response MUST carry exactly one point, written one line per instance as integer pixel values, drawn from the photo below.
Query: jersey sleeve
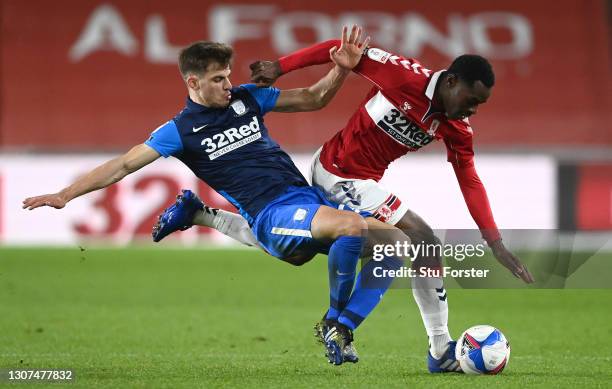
(460, 153)
(383, 69)
(388, 71)
(166, 140)
(265, 97)
(477, 201)
(316, 54)
(460, 146)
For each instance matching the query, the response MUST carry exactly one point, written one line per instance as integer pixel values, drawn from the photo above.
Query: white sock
(438, 344)
(430, 296)
(227, 223)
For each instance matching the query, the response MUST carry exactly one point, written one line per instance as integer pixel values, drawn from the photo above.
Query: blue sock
(368, 292)
(342, 266)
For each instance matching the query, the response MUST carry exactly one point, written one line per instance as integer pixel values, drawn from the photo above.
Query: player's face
(463, 100)
(213, 87)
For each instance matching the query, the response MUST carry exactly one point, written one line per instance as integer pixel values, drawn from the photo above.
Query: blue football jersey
(231, 149)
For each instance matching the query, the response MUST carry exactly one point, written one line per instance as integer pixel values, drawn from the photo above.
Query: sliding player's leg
(190, 210)
(303, 222)
(306, 222)
(294, 228)
(344, 230)
(372, 283)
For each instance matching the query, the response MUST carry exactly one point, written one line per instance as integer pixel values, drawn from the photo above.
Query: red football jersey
(395, 118)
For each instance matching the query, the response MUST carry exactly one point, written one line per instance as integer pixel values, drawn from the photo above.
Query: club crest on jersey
(239, 108)
(378, 55)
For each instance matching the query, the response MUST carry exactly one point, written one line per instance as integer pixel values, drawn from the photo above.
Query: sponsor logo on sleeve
(378, 55)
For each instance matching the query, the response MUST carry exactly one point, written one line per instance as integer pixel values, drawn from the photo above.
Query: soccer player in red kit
(408, 107)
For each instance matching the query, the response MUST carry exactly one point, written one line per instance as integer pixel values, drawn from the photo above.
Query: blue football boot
(178, 216)
(339, 344)
(447, 363)
(349, 352)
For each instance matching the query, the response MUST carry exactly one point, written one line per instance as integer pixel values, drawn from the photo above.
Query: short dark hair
(471, 68)
(196, 57)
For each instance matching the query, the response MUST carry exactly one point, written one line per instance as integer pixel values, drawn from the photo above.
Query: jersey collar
(429, 92)
(433, 81)
(195, 107)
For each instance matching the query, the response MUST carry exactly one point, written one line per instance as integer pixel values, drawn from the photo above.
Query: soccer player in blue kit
(221, 136)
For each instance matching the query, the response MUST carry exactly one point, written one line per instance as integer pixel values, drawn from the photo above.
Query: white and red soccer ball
(482, 349)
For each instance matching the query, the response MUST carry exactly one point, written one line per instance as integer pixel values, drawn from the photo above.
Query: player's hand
(265, 73)
(348, 55)
(54, 200)
(511, 262)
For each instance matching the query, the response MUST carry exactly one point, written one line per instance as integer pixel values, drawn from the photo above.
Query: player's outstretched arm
(478, 204)
(265, 73)
(104, 175)
(383, 69)
(317, 96)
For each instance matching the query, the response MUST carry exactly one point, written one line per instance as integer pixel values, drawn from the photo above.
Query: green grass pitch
(152, 317)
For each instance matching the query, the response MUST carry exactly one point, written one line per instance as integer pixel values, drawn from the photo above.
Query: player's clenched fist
(265, 73)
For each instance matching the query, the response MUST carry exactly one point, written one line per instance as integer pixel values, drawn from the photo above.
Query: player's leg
(369, 195)
(228, 223)
(293, 231)
(345, 192)
(303, 222)
(236, 227)
(369, 288)
(344, 231)
(430, 294)
(364, 195)
(189, 210)
(317, 227)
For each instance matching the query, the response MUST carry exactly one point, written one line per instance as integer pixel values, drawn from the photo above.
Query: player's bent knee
(329, 224)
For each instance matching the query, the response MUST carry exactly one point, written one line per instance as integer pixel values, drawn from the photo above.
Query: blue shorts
(283, 226)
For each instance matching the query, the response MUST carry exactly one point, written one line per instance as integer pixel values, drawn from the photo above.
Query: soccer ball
(482, 350)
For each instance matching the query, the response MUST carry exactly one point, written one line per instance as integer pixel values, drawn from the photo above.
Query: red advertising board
(97, 74)
(594, 197)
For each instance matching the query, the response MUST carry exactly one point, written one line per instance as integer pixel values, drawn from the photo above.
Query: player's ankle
(438, 344)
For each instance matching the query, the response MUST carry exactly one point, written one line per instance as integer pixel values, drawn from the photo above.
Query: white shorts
(361, 195)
